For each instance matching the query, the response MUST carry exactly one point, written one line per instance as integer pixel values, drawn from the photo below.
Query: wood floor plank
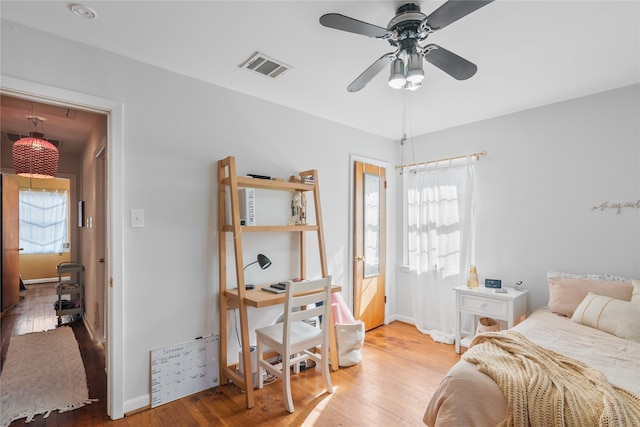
(392, 385)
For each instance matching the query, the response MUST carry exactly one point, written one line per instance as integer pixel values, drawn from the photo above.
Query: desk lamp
(264, 263)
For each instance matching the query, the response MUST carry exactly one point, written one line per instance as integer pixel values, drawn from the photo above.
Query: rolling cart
(74, 288)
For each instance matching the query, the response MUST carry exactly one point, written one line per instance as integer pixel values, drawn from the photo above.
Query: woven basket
(487, 324)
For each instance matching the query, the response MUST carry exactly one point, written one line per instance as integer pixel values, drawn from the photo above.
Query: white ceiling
(528, 53)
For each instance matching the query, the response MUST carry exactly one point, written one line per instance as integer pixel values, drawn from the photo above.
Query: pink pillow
(565, 293)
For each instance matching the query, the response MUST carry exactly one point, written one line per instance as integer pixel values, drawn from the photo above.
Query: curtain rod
(476, 155)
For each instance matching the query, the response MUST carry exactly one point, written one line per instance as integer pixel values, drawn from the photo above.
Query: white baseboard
(38, 281)
(402, 318)
(138, 403)
(91, 332)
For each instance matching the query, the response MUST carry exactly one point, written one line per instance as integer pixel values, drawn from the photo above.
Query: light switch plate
(137, 218)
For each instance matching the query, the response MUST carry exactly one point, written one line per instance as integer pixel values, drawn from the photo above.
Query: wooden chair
(295, 339)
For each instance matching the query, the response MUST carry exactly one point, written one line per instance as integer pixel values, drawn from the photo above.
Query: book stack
(247, 201)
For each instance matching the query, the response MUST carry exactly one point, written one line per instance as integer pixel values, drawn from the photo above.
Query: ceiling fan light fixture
(413, 86)
(415, 73)
(397, 79)
(415, 76)
(408, 32)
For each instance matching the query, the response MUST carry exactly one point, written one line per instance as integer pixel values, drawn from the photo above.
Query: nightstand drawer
(485, 306)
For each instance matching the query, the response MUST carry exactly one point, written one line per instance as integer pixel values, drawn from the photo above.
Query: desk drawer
(486, 306)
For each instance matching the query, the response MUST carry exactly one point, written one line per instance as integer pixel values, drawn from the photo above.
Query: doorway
(369, 244)
(113, 223)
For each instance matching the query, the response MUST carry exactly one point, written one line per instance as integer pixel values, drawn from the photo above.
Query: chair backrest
(306, 300)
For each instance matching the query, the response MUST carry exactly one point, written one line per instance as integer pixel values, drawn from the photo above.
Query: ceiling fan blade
(371, 72)
(453, 10)
(344, 23)
(452, 64)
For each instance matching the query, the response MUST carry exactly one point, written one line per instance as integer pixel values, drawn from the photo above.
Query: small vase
(473, 278)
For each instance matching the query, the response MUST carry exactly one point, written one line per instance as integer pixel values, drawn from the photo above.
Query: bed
(589, 319)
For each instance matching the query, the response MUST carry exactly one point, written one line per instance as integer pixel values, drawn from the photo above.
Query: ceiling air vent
(13, 137)
(266, 66)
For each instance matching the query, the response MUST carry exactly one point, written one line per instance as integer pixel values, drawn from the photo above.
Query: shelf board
(271, 228)
(269, 184)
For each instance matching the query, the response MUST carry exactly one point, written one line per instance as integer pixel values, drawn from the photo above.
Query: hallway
(35, 313)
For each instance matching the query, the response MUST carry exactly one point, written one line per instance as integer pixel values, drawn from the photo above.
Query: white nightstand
(485, 302)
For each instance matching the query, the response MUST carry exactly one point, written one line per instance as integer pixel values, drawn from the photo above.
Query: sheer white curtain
(440, 241)
(43, 221)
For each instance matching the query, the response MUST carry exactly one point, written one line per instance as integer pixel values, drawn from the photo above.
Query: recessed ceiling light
(82, 11)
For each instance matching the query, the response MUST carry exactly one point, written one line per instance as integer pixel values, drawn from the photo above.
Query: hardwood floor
(390, 387)
(33, 313)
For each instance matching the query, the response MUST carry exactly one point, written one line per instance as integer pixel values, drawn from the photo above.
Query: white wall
(175, 130)
(544, 171)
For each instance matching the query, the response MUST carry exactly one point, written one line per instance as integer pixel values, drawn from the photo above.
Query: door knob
(358, 258)
(101, 260)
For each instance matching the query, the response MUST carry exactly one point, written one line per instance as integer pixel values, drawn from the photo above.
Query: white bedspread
(467, 397)
(617, 358)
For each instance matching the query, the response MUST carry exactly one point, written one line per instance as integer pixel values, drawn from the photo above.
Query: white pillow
(617, 317)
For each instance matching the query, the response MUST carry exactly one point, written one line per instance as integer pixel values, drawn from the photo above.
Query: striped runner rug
(43, 372)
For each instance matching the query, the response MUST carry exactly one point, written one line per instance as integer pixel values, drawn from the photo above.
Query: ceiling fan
(407, 32)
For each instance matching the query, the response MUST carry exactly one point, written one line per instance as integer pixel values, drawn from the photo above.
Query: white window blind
(44, 221)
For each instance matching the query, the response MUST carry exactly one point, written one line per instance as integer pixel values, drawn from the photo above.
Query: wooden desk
(258, 298)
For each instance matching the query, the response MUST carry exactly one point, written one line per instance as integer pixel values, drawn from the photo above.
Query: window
(44, 221)
(371, 225)
(438, 217)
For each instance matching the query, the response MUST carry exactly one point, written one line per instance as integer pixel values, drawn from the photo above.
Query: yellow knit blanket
(545, 388)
